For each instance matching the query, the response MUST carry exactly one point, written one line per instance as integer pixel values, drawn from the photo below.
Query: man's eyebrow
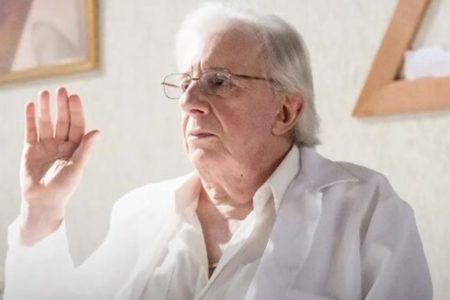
(190, 73)
(218, 69)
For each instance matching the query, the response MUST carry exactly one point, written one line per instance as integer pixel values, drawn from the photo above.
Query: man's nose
(193, 101)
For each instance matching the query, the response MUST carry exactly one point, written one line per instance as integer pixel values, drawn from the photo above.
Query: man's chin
(203, 155)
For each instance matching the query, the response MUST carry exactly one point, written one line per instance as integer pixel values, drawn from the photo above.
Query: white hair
(285, 54)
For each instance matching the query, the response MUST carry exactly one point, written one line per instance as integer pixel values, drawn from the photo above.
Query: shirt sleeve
(393, 260)
(28, 269)
(46, 270)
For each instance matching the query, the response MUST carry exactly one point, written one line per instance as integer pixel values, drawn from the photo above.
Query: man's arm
(46, 271)
(393, 261)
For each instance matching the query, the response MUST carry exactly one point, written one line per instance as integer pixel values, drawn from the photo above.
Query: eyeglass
(212, 82)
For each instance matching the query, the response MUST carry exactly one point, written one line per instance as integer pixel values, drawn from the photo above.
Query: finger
(45, 121)
(62, 115)
(84, 150)
(31, 135)
(76, 128)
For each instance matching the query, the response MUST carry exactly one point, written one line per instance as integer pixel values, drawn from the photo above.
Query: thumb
(83, 152)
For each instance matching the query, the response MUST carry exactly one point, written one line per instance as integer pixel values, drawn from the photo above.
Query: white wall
(140, 136)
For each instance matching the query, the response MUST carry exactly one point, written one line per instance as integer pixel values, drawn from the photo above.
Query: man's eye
(218, 81)
(184, 85)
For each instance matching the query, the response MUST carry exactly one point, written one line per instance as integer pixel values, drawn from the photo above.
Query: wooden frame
(87, 62)
(382, 93)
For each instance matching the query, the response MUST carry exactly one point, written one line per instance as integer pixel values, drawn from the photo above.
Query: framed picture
(41, 38)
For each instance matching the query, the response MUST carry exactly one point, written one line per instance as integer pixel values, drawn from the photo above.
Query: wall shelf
(383, 93)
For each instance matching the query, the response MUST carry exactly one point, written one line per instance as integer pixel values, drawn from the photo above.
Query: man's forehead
(236, 49)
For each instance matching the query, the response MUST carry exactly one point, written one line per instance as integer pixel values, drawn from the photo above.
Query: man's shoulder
(373, 190)
(363, 174)
(369, 179)
(346, 181)
(323, 172)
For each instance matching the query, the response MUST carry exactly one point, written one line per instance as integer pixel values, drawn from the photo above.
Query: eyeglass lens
(212, 83)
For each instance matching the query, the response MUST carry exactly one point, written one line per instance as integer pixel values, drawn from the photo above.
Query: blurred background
(140, 140)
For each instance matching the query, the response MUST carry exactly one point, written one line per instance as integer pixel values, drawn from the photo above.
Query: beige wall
(140, 136)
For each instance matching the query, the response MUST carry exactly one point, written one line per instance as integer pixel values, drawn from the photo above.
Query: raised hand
(52, 163)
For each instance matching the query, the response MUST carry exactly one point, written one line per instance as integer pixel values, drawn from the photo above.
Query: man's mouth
(200, 134)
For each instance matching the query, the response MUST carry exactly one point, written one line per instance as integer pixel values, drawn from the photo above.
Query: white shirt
(183, 269)
(339, 232)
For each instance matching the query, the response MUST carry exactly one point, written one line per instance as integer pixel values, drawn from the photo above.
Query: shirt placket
(238, 240)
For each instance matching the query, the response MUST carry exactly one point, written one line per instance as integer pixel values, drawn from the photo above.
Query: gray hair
(286, 56)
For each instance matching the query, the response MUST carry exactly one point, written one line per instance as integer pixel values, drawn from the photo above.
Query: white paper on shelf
(426, 62)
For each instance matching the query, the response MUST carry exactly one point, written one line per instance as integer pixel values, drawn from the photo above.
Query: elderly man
(262, 217)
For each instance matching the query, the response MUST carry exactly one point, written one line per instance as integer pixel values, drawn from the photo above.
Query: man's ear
(291, 107)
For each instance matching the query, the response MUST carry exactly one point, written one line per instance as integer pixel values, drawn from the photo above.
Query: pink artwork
(46, 37)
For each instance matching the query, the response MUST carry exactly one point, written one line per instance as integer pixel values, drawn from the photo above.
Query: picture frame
(383, 92)
(47, 38)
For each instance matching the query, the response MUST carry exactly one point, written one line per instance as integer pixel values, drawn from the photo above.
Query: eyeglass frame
(222, 70)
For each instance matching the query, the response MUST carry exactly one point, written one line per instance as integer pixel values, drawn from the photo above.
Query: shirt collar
(319, 172)
(186, 195)
(277, 184)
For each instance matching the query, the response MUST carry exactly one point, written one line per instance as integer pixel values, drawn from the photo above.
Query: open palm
(53, 156)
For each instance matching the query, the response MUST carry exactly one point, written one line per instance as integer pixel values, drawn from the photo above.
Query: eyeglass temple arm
(169, 84)
(251, 77)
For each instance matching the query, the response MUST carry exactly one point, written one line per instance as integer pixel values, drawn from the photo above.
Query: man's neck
(233, 184)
